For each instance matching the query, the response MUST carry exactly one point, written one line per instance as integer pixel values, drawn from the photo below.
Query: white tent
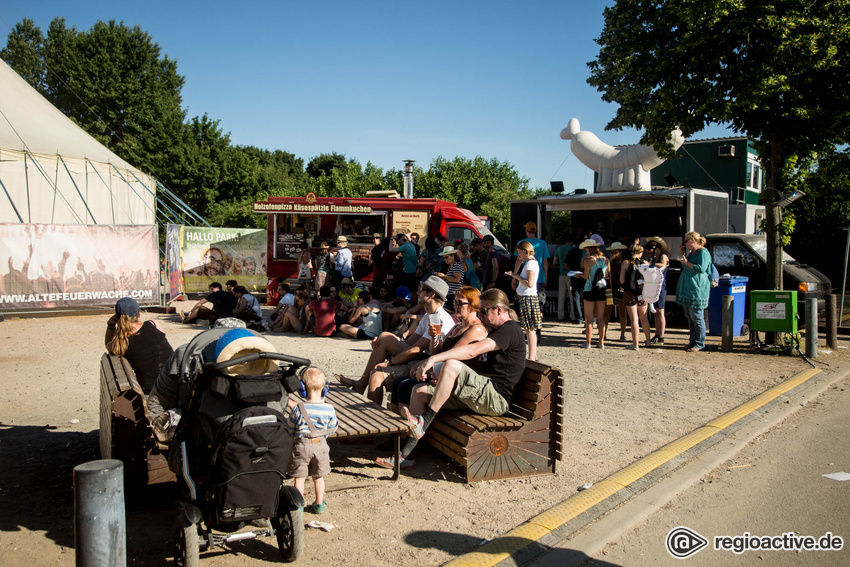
(53, 172)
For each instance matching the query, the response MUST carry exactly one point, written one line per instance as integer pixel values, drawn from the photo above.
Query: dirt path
(620, 405)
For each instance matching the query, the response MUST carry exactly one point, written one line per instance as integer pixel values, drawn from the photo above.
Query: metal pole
(844, 282)
(728, 322)
(408, 178)
(100, 533)
(812, 327)
(831, 321)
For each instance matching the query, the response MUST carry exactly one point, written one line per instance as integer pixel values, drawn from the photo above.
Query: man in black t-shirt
(484, 385)
(222, 306)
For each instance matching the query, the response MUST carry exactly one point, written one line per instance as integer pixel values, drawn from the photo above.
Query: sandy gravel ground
(620, 406)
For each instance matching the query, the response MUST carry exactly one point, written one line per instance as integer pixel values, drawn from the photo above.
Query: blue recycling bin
(729, 285)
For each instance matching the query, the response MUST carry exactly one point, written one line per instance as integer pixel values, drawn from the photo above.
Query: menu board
(287, 246)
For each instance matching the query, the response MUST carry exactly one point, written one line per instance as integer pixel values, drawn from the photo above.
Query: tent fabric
(53, 172)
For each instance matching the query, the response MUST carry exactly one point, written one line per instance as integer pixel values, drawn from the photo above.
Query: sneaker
(658, 340)
(602, 347)
(633, 347)
(648, 343)
(417, 422)
(585, 345)
(390, 463)
(319, 508)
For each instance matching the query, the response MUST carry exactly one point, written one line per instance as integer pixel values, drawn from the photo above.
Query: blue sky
(380, 82)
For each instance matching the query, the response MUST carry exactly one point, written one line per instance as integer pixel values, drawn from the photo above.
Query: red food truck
(292, 220)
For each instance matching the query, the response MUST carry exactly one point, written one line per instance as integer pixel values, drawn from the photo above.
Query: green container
(773, 311)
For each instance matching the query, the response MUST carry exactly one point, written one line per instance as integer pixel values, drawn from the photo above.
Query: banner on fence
(221, 254)
(50, 265)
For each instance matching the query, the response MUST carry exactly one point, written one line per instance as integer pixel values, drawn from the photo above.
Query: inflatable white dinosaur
(620, 168)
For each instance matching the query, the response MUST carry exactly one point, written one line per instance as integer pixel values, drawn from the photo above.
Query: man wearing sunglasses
(478, 376)
(390, 353)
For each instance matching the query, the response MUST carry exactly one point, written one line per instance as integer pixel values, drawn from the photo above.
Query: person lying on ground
(484, 385)
(389, 350)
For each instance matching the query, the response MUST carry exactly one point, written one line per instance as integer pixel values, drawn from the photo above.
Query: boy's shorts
(310, 459)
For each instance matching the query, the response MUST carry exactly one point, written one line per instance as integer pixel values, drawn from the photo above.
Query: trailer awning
(595, 201)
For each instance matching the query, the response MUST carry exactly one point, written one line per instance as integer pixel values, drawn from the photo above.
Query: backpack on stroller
(233, 445)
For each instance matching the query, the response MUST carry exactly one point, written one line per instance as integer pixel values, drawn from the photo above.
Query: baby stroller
(232, 447)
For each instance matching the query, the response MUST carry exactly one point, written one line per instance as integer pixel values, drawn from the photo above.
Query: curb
(544, 531)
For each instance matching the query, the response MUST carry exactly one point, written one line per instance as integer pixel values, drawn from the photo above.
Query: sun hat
(438, 286)
(324, 246)
(376, 235)
(658, 240)
(599, 240)
(346, 281)
(589, 243)
(617, 246)
(448, 250)
(239, 342)
(530, 226)
(127, 306)
(342, 238)
(402, 292)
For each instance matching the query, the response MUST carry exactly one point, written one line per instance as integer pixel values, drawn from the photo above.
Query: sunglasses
(485, 310)
(460, 303)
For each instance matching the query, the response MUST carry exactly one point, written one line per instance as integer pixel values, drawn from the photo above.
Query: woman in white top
(530, 317)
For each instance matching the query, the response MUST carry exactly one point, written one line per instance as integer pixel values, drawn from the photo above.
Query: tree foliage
(776, 71)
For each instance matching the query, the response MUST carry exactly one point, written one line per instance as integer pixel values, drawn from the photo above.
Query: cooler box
(773, 311)
(737, 288)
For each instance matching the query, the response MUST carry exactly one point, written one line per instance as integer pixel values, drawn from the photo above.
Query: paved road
(773, 486)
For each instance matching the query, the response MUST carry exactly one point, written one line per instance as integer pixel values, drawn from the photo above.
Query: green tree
(775, 70)
(484, 187)
(24, 52)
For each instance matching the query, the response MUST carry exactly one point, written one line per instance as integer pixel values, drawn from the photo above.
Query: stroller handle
(219, 366)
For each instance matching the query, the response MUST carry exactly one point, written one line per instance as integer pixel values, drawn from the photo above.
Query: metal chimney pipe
(408, 178)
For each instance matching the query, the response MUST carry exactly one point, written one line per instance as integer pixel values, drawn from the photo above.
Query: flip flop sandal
(347, 382)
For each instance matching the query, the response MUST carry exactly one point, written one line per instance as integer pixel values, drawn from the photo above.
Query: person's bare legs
(660, 323)
(319, 484)
(531, 338)
(601, 323)
(644, 321)
(633, 318)
(588, 321)
(378, 381)
(299, 484)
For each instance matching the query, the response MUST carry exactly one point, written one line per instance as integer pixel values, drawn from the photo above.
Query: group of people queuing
(631, 278)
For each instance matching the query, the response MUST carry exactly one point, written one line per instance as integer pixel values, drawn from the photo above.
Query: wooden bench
(125, 430)
(525, 441)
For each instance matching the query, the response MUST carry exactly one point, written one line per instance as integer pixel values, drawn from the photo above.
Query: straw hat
(658, 240)
(589, 243)
(617, 246)
(448, 250)
(324, 246)
(240, 342)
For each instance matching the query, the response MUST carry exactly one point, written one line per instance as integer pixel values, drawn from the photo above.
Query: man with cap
(479, 376)
(388, 350)
(341, 261)
(222, 302)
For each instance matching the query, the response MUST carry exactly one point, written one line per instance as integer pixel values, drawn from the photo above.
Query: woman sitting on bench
(143, 344)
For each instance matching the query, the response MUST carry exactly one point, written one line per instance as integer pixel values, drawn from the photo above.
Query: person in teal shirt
(693, 288)
(409, 258)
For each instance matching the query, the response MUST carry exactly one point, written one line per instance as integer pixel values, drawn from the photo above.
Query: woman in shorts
(530, 317)
(592, 264)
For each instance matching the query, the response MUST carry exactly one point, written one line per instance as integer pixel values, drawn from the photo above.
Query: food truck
(313, 219)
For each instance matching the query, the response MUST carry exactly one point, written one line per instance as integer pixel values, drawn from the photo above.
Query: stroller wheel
(290, 533)
(187, 543)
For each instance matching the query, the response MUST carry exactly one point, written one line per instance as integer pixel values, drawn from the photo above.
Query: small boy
(312, 420)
